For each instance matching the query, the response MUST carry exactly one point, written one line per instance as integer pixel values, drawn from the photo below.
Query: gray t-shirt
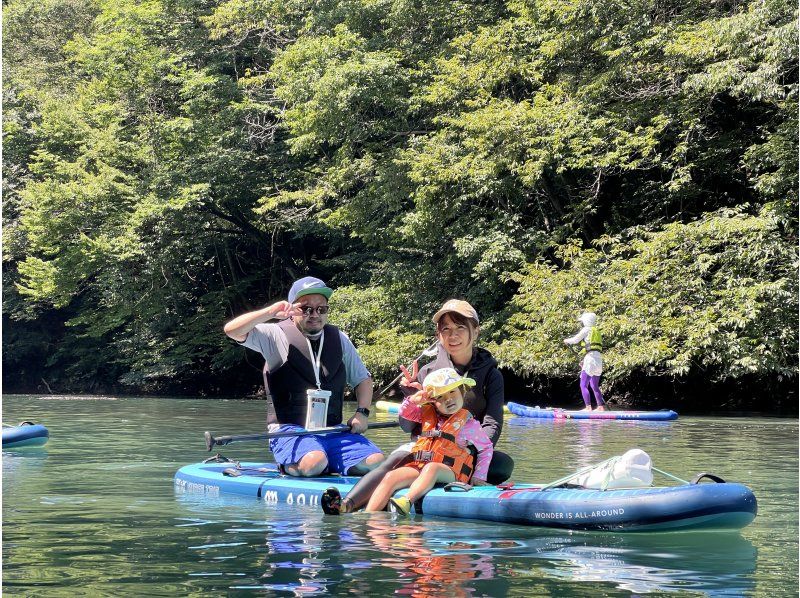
(271, 342)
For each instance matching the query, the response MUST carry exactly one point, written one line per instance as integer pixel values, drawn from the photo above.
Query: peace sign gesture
(409, 379)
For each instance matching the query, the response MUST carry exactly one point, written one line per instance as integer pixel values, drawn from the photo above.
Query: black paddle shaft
(211, 442)
(430, 351)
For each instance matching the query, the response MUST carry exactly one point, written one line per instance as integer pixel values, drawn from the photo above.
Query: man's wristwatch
(363, 410)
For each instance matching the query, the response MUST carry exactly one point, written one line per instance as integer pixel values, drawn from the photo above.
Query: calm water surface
(95, 513)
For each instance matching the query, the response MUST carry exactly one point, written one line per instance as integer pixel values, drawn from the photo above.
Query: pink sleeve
(472, 433)
(410, 411)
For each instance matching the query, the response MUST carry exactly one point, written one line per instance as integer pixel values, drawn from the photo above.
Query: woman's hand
(409, 379)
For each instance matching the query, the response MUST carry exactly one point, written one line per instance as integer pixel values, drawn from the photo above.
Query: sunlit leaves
(337, 92)
(715, 295)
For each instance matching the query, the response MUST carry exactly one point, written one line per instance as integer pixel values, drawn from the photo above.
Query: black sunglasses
(320, 309)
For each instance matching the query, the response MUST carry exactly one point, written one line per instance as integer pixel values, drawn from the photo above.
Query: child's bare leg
(431, 474)
(402, 477)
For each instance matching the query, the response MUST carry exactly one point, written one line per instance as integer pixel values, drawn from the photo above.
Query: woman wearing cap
(457, 329)
(592, 364)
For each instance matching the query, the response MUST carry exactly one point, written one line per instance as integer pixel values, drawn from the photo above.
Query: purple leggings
(594, 381)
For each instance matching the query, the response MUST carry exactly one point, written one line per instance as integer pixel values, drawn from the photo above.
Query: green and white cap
(444, 380)
(308, 286)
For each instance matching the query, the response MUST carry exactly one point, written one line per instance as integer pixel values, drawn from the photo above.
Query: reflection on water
(96, 513)
(422, 570)
(304, 552)
(22, 461)
(585, 442)
(710, 563)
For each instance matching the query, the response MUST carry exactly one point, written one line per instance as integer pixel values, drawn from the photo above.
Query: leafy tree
(713, 298)
(171, 163)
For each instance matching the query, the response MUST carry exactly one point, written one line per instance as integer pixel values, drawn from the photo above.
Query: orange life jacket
(439, 445)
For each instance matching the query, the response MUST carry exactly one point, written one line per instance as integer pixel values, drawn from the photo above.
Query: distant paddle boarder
(592, 364)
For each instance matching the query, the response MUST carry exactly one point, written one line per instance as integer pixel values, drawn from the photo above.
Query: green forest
(169, 164)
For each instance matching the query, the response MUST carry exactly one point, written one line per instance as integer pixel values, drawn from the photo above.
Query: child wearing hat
(451, 447)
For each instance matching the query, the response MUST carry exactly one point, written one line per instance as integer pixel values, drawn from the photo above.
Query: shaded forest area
(171, 163)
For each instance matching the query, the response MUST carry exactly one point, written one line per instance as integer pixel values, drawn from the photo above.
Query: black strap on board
(715, 478)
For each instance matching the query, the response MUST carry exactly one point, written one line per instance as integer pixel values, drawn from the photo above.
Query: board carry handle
(457, 487)
(715, 478)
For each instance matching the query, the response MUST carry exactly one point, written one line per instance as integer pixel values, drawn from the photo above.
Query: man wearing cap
(303, 352)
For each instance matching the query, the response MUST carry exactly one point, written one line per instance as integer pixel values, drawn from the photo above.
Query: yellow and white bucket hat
(444, 380)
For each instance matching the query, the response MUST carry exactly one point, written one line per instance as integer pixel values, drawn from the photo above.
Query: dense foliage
(171, 163)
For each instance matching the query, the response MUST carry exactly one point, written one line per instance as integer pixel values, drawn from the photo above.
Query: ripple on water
(97, 514)
(76, 398)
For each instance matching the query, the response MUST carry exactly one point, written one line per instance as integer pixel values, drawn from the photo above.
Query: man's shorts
(344, 449)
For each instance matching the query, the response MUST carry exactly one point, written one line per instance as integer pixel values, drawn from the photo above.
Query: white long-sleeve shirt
(593, 360)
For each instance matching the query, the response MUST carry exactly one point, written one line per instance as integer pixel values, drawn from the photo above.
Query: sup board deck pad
(723, 506)
(558, 413)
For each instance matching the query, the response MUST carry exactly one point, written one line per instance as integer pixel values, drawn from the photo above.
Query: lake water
(95, 513)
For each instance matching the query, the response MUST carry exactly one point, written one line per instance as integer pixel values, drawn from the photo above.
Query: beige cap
(458, 306)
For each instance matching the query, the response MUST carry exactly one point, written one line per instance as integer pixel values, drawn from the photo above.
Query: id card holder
(317, 409)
